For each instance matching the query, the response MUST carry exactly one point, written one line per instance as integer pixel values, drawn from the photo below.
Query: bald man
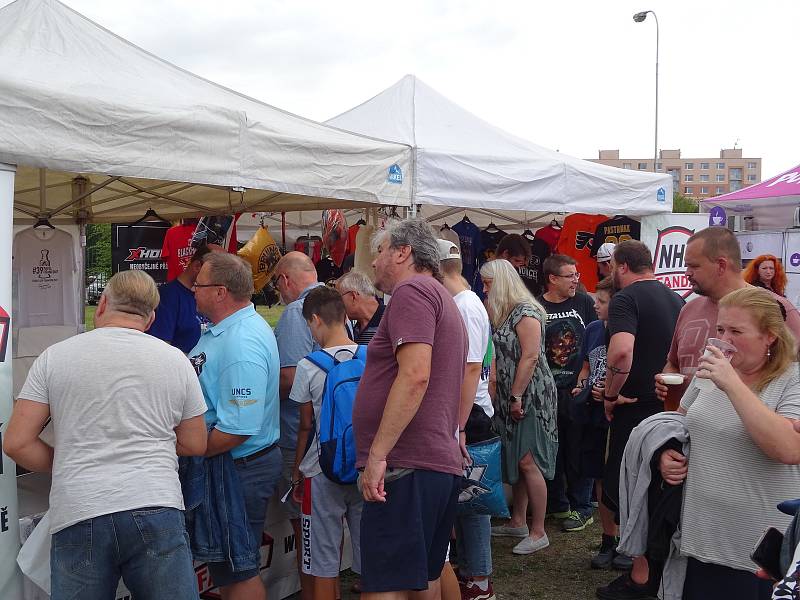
(295, 277)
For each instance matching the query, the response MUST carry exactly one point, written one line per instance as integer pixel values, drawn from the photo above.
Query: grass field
(271, 315)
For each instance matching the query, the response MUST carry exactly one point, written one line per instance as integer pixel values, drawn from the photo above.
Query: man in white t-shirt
(325, 503)
(124, 405)
(473, 532)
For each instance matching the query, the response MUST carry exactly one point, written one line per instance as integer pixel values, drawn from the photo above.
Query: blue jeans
(474, 544)
(147, 547)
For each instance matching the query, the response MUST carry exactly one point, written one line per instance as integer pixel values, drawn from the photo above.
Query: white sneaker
(508, 531)
(529, 545)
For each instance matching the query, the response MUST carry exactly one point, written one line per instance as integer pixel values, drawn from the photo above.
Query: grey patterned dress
(537, 432)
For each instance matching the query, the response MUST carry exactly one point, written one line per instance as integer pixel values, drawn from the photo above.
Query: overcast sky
(574, 76)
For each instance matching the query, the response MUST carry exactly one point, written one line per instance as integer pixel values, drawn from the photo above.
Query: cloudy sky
(576, 76)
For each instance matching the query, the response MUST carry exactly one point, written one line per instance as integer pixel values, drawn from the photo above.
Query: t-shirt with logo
(564, 336)
(490, 237)
(576, 241)
(421, 311)
(177, 250)
(177, 321)
(469, 237)
(614, 231)
(533, 273)
(309, 386)
(479, 338)
(44, 265)
(237, 363)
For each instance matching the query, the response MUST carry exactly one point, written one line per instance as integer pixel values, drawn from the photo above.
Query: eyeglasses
(343, 294)
(202, 285)
(575, 276)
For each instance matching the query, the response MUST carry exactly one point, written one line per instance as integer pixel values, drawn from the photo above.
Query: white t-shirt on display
(116, 396)
(479, 333)
(45, 265)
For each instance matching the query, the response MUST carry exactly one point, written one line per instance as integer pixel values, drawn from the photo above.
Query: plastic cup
(727, 349)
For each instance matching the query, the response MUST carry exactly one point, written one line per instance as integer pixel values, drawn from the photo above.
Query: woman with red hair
(766, 271)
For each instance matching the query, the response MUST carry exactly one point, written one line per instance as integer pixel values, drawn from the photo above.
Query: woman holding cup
(744, 450)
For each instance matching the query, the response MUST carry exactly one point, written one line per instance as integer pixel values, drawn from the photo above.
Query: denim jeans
(474, 545)
(147, 547)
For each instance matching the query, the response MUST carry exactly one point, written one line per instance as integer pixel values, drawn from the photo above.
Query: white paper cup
(707, 385)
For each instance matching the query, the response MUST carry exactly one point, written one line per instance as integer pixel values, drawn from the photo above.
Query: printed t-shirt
(595, 351)
(114, 432)
(576, 241)
(549, 235)
(732, 489)
(648, 310)
(177, 250)
(236, 361)
(564, 336)
(294, 343)
(469, 237)
(479, 339)
(614, 231)
(308, 386)
(533, 273)
(698, 322)
(421, 311)
(177, 321)
(489, 240)
(44, 263)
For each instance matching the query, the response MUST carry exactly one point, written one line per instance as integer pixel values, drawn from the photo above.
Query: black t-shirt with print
(532, 274)
(564, 336)
(616, 230)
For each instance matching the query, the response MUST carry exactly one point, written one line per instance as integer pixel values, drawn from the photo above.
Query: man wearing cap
(604, 254)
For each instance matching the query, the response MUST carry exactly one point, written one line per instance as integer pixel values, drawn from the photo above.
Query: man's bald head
(294, 273)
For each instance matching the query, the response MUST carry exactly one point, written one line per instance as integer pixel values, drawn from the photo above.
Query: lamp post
(639, 17)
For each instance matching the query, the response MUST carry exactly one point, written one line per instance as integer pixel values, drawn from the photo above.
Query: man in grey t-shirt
(123, 404)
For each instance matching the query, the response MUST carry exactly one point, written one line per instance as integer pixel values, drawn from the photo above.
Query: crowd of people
(359, 411)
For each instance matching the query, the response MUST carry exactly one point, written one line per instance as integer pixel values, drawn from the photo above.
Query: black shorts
(593, 451)
(404, 540)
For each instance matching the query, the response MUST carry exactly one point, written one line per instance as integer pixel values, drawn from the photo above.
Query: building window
(735, 174)
(751, 178)
(688, 177)
(688, 190)
(626, 165)
(703, 177)
(676, 177)
(688, 166)
(720, 189)
(735, 185)
(704, 190)
(643, 166)
(704, 166)
(720, 165)
(720, 177)
(659, 166)
(751, 165)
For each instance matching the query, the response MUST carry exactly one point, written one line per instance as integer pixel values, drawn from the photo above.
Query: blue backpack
(337, 445)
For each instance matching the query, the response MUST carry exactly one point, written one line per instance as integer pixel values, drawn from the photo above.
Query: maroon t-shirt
(421, 310)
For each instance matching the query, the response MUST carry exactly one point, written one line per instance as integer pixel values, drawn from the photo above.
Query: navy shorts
(258, 477)
(404, 540)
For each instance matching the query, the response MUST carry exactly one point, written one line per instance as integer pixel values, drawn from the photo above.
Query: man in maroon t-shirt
(405, 418)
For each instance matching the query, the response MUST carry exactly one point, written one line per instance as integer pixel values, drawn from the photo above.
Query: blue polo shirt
(237, 363)
(177, 321)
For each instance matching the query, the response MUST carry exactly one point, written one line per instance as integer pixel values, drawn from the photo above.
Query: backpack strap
(361, 353)
(321, 359)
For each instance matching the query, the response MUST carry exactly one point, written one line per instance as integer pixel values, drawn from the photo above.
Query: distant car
(94, 290)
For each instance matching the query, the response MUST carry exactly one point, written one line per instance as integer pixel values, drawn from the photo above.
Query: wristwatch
(515, 398)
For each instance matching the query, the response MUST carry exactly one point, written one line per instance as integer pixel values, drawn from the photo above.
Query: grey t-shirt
(733, 488)
(116, 396)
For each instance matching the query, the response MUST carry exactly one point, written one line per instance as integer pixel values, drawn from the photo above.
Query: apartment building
(695, 177)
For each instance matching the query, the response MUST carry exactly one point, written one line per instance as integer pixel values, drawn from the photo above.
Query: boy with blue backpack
(324, 478)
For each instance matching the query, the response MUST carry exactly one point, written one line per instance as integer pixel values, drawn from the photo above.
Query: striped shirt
(732, 488)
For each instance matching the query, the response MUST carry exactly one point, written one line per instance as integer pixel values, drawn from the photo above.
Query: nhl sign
(669, 259)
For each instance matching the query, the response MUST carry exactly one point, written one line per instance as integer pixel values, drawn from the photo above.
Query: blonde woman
(744, 450)
(526, 401)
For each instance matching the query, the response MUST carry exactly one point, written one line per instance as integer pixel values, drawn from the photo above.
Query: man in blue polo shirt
(236, 360)
(177, 321)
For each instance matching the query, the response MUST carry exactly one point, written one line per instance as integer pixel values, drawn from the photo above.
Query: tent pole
(81, 197)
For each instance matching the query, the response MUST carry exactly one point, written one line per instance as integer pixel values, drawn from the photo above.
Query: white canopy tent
(75, 99)
(462, 161)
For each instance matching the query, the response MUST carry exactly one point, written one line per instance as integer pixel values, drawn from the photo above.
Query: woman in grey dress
(525, 399)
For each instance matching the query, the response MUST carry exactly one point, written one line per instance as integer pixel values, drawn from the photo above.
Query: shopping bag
(482, 482)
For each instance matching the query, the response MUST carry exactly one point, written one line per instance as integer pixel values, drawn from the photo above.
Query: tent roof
(775, 190)
(77, 99)
(461, 160)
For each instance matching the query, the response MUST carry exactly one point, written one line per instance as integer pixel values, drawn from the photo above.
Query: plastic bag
(482, 482)
(263, 254)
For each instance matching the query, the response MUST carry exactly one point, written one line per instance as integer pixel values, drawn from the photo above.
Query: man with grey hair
(405, 419)
(123, 406)
(361, 303)
(236, 360)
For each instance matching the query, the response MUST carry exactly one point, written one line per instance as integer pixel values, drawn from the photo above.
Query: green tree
(98, 249)
(684, 204)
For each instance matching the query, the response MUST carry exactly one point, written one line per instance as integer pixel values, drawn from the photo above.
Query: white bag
(34, 556)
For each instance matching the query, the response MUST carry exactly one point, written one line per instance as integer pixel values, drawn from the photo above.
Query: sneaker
(624, 588)
(576, 521)
(529, 545)
(559, 514)
(508, 531)
(621, 562)
(605, 557)
(471, 591)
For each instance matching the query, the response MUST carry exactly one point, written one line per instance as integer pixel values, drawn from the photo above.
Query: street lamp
(639, 17)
